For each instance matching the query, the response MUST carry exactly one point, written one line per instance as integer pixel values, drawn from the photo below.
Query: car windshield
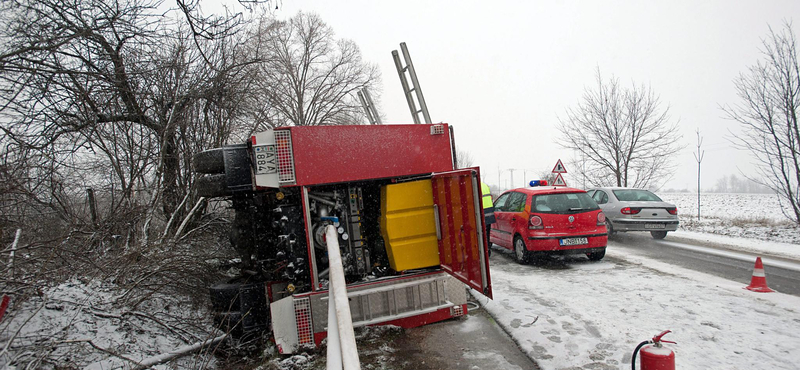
(635, 195)
(563, 203)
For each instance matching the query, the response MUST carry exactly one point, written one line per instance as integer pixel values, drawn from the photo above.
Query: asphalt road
(720, 260)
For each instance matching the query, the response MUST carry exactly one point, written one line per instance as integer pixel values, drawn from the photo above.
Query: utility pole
(498, 176)
(698, 156)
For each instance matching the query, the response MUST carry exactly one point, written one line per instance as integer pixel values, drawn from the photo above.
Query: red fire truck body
(410, 227)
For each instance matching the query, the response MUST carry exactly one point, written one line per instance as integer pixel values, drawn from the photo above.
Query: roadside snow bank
(743, 243)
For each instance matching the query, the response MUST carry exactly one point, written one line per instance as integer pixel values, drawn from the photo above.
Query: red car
(554, 220)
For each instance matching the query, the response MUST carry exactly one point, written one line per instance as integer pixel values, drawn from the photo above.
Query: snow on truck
(410, 227)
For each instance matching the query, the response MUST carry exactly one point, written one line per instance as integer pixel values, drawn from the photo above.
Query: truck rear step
(301, 320)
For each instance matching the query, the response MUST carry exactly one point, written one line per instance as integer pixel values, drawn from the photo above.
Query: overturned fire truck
(410, 227)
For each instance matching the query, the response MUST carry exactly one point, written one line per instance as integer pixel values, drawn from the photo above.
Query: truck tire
(212, 186)
(210, 161)
(225, 296)
(240, 307)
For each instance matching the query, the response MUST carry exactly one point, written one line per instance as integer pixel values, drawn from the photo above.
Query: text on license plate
(266, 160)
(573, 241)
(654, 226)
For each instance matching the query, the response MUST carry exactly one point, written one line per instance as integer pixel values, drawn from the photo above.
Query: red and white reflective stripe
(759, 273)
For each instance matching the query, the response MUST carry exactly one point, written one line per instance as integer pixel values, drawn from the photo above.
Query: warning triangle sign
(559, 168)
(559, 181)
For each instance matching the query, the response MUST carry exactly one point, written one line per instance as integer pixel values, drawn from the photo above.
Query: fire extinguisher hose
(635, 351)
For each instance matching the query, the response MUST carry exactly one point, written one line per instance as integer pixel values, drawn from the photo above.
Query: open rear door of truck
(460, 228)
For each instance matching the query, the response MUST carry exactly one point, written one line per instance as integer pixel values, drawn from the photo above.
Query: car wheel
(658, 234)
(596, 256)
(209, 161)
(610, 228)
(521, 254)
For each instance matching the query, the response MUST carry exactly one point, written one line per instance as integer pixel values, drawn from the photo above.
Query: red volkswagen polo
(555, 220)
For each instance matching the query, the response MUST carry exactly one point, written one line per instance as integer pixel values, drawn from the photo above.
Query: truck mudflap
(410, 301)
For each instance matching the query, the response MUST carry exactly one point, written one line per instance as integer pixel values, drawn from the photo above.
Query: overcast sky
(502, 73)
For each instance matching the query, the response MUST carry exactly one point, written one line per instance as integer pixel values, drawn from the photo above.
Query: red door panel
(503, 228)
(462, 250)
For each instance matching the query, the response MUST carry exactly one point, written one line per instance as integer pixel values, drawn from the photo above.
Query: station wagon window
(635, 195)
(563, 203)
(600, 197)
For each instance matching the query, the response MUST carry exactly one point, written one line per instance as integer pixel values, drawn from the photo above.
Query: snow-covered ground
(585, 315)
(79, 325)
(581, 315)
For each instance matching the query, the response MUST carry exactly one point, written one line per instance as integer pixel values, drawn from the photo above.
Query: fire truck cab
(410, 227)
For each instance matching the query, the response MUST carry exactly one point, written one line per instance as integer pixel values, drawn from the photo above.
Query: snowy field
(761, 207)
(755, 216)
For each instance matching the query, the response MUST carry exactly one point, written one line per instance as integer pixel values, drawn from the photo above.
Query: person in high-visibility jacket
(488, 212)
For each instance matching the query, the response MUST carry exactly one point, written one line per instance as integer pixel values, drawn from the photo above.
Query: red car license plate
(573, 241)
(654, 226)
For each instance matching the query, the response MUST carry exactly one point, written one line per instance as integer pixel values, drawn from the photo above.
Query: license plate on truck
(573, 241)
(654, 226)
(266, 159)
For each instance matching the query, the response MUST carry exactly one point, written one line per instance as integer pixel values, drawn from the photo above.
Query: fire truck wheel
(658, 234)
(596, 256)
(209, 161)
(521, 254)
(225, 296)
(211, 186)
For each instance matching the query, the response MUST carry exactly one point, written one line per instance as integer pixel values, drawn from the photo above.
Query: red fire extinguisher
(655, 356)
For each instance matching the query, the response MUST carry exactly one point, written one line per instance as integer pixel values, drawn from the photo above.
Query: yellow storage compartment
(408, 225)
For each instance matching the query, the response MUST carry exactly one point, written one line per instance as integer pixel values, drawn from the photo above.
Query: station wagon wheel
(658, 234)
(610, 228)
(521, 254)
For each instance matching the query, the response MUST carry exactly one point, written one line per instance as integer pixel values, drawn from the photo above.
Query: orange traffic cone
(759, 281)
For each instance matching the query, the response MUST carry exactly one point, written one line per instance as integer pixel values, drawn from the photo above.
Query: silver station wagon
(629, 209)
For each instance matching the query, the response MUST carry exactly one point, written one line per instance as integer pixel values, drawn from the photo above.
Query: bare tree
(464, 158)
(113, 96)
(625, 135)
(769, 94)
(308, 77)
(698, 156)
